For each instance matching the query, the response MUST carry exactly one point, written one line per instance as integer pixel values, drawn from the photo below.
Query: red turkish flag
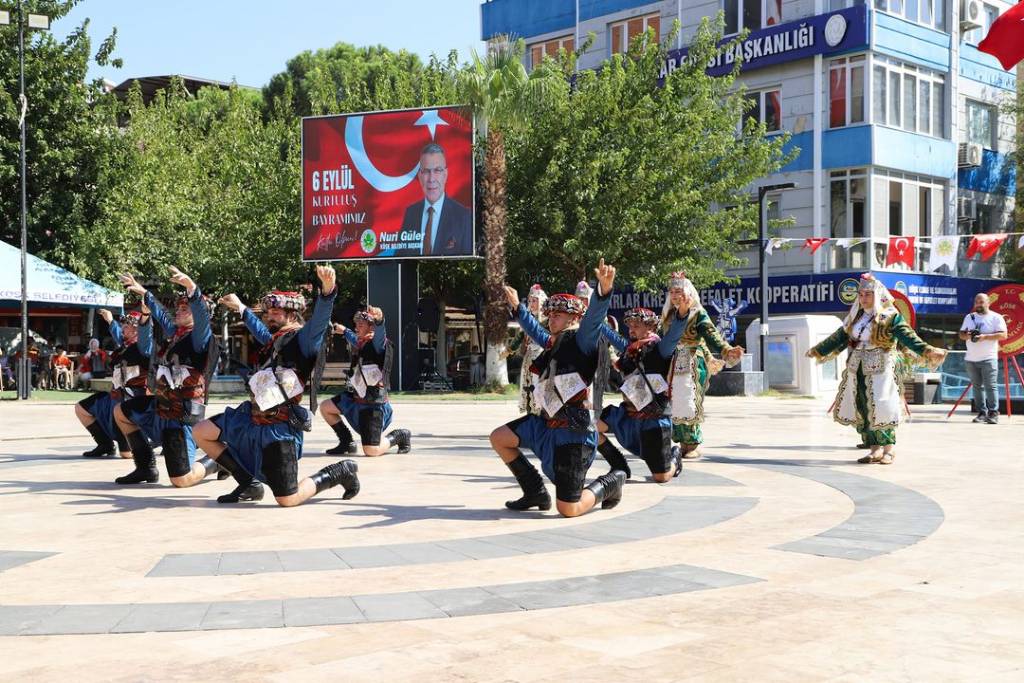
(813, 243)
(901, 250)
(1005, 39)
(986, 246)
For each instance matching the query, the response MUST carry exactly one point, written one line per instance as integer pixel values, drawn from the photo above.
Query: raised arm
(115, 333)
(145, 342)
(256, 327)
(667, 345)
(531, 326)
(614, 338)
(311, 336)
(161, 315)
(201, 331)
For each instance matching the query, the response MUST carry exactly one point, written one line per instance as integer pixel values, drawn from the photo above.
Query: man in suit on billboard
(446, 225)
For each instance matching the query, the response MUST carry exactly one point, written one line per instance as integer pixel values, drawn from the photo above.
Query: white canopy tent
(50, 284)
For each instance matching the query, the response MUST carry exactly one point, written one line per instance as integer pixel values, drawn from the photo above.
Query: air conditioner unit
(968, 155)
(970, 15)
(966, 209)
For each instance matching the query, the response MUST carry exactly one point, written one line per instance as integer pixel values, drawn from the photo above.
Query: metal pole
(763, 241)
(25, 378)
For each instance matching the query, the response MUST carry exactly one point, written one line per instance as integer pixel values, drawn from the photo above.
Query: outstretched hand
(338, 328)
(327, 278)
(935, 356)
(107, 316)
(605, 274)
(231, 302)
(182, 280)
(131, 284)
(375, 312)
(511, 297)
(733, 355)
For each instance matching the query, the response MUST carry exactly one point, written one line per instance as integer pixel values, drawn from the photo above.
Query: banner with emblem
(388, 184)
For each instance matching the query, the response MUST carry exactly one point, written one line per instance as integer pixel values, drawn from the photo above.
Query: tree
(503, 97)
(63, 138)
(617, 165)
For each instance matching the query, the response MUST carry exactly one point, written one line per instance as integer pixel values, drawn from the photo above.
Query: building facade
(895, 112)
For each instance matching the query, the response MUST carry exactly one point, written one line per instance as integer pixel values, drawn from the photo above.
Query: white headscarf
(678, 280)
(885, 305)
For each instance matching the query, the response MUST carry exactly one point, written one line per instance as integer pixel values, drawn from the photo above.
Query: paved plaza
(774, 558)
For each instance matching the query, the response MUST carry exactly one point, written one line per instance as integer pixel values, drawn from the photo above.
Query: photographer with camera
(982, 330)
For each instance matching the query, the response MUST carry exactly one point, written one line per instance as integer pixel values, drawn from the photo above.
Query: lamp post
(37, 21)
(762, 235)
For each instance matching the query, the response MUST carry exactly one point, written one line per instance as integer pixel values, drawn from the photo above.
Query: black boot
(677, 460)
(104, 444)
(401, 438)
(614, 457)
(346, 446)
(247, 489)
(607, 489)
(145, 462)
(121, 440)
(535, 494)
(343, 473)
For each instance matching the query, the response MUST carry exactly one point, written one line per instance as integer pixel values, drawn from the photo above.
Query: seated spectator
(93, 363)
(33, 357)
(6, 372)
(61, 369)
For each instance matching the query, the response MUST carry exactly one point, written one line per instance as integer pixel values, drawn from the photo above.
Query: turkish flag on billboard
(901, 250)
(391, 184)
(986, 246)
(1005, 39)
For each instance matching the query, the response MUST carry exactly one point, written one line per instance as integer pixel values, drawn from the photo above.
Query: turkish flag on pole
(1005, 39)
(986, 246)
(813, 243)
(901, 250)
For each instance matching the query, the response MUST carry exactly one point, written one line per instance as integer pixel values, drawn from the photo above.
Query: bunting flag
(814, 243)
(944, 253)
(901, 250)
(1005, 39)
(773, 244)
(849, 242)
(987, 246)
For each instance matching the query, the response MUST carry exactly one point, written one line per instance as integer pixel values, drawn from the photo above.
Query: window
(550, 48)
(766, 108)
(981, 124)
(848, 195)
(622, 33)
(988, 16)
(908, 97)
(895, 208)
(751, 14)
(924, 212)
(930, 13)
(846, 91)
(835, 5)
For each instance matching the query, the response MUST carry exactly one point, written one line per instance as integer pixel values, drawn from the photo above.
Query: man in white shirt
(982, 330)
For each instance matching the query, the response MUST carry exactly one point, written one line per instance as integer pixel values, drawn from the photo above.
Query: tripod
(1006, 386)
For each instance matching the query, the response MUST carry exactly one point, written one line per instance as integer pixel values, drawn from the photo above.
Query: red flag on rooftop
(1005, 39)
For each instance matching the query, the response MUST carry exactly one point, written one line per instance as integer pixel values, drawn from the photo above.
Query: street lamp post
(762, 235)
(38, 21)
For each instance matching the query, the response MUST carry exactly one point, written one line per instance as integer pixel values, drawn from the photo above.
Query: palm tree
(501, 94)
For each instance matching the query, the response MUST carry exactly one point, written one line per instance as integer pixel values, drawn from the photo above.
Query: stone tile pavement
(775, 558)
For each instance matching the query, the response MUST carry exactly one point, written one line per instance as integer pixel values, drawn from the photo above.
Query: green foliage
(613, 165)
(64, 140)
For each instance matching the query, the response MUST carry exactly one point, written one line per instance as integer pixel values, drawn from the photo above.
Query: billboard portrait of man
(445, 225)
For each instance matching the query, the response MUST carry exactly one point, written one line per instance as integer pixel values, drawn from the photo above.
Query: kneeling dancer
(642, 422)
(869, 396)
(563, 435)
(96, 413)
(365, 404)
(180, 376)
(262, 438)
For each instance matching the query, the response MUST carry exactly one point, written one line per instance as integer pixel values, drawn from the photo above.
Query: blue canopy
(50, 284)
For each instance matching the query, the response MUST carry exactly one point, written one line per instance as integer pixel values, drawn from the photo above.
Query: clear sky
(251, 40)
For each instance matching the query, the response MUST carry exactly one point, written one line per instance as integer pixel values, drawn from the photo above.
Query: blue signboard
(825, 293)
(824, 34)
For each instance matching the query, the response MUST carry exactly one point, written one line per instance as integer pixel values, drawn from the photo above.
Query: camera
(974, 335)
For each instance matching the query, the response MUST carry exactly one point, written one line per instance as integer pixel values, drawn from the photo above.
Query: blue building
(896, 114)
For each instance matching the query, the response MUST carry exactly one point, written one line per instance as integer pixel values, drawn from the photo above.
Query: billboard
(388, 184)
